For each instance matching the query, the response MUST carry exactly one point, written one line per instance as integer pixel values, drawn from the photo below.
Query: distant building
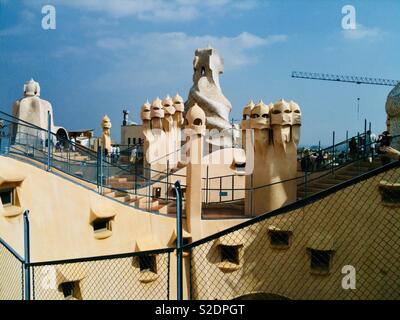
(84, 137)
(131, 134)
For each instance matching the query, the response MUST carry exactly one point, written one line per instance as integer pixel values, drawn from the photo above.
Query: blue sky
(108, 55)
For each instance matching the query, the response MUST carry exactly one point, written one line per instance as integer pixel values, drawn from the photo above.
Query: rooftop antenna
(358, 108)
(125, 118)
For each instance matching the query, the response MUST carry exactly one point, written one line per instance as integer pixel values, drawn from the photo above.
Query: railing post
(358, 152)
(233, 187)
(101, 171)
(305, 182)
(365, 139)
(68, 158)
(220, 189)
(167, 180)
(251, 196)
(136, 173)
(150, 199)
(179, 241)
(98, 168)
(207, 185)
(34, 144)
(333, 152)
(27, 253)
(48, 141)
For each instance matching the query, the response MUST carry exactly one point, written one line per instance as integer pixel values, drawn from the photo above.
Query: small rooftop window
(102, 228)
(10, 201)
(230, 254)
(71, 290)
(102, 225)
(390, 193)
(7, 197)
(148, 265)
(320, 261)
(279, 239)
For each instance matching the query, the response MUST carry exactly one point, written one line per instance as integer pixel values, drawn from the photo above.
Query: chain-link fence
(343, 243)
(340, 244)
(132, 276)
(135, 276)
(11, 274)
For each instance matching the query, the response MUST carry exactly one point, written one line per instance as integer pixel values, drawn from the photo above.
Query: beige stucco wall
(60, 213)
(60, 218)
(354, 223)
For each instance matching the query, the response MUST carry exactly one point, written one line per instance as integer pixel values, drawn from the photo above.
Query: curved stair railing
(133, 186)
(29, 142)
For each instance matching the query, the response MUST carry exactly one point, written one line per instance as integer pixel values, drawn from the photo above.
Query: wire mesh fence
(340, 244)
(136, 276)
(11, 274)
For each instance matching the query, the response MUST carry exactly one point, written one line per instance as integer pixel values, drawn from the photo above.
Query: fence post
(27, 254)
(48, 141)
(179, 241)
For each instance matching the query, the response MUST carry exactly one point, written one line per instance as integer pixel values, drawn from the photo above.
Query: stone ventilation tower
(169, 130)
(393, 115)
(276, 132)
(35, 110)
(146, 125)
(196, 126)
(106, 136)
(206, 90)
(178, 124)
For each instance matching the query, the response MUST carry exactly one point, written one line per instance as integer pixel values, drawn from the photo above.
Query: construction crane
(339, 78)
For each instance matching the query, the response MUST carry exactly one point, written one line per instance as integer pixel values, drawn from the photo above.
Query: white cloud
(156, 10)
(162, 58)
(164, 46)
(363, 33)
(68, 50)
(25, 20)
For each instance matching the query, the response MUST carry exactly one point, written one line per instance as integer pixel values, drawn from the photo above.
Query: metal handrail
(347, 163)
